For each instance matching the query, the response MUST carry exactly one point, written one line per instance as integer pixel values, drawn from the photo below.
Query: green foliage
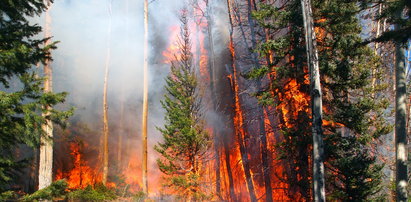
(188, 187)
(22, 106)
(185, 141)
(8, 196)
(57, 189)
(98, 193)
(345, 68)
(287, 64)
(358, 177)
(346, 82)
(390, 14)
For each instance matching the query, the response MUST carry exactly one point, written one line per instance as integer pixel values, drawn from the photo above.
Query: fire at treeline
(204, 100)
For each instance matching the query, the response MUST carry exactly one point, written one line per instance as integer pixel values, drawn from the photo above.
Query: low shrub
(98, 193)
(57, 189)
(8, 196)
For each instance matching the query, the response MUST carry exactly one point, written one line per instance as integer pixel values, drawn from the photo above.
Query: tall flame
(81, 175)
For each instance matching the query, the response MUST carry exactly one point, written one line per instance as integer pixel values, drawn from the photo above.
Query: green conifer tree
(345, 77)
(185, 141)
(22, 100)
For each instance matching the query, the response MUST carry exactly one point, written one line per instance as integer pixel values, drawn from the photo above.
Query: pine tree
(185, 140)
(353, 175)
(390, 14)
(398, 13)
(22, 100)
(345, 77)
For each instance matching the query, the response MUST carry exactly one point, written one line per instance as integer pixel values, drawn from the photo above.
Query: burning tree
(349, 114)
(185, 139)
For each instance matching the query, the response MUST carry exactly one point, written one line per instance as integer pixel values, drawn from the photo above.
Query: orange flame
(170, 53)
(81, 175)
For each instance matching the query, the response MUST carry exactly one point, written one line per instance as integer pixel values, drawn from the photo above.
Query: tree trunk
(239, 130)
(316, 102)
(260, 110)
(376, 46)
(120, 137)
(214, 96)
(229, 171)
(145, 100)
(105, 107)
(46, 141)
(400, 120)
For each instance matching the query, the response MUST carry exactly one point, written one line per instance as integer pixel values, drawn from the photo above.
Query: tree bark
(376, 46)
(316, 102)
(145, 100)
(260, 110)
(214, 96)
(46, 141)
(105, 106)
(229, 170)
(239, 130)
(401, 180)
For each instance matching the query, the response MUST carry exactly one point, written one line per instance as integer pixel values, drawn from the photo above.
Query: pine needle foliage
(22, 100)
(185, 141)
(349, 111)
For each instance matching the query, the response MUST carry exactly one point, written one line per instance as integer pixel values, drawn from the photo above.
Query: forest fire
(170, 53)
(292, 102)
(241, 100)
(132, 179)
(200, 52)
(81, 175)
(241, 172)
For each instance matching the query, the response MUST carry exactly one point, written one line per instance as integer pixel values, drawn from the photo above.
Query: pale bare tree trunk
(46, 141)
(120, 137)
(145, 99)
(105, 107)
(316, 102)
(376, 46)
(401, 180)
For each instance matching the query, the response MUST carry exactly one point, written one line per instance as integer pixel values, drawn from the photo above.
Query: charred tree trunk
(260, 111)
(226, 139)
(214, 96)
(145, 100)
(46, 141)
(105, 106)
(401, 180)
(239, 127)
(316, 102)
(229, 170)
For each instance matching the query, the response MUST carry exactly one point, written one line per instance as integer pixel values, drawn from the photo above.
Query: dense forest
(205, 100)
